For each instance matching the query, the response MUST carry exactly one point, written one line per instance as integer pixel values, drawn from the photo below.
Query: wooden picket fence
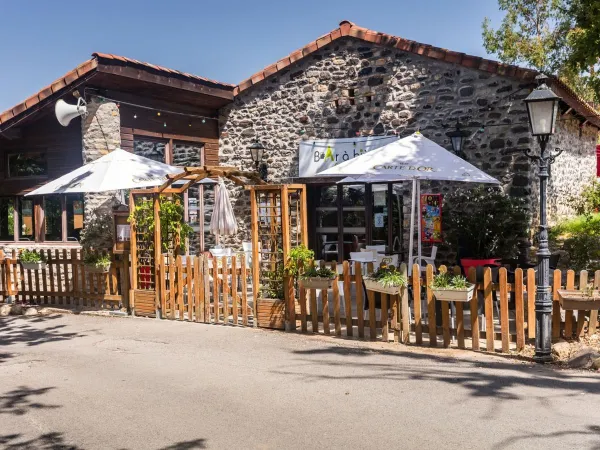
(207, 290)
(65, 281)
(501, 314)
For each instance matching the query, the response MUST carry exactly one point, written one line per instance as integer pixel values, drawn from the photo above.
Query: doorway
(347, 217)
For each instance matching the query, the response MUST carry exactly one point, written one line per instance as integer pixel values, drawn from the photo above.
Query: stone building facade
(359, 85)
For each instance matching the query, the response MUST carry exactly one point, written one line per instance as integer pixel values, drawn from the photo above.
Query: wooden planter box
(271, 313)
(95, 269)
(317, 283)
(376, 286)
(454, 295)
(34, 265)
(577, 300)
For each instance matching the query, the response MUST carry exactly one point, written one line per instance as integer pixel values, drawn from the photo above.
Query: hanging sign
(431, 218)
(317, 155)
(77, 214)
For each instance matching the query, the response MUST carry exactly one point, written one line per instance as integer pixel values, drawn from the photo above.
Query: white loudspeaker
(65, 112)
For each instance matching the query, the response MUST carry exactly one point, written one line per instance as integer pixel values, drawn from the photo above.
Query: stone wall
(101, 134)
(351, 87)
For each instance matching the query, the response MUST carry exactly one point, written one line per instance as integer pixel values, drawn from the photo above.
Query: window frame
(9, 176)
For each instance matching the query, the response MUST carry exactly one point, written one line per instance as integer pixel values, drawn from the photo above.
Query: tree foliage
(560, 37)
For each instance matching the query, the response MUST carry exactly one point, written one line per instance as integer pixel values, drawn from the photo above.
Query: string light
(164, 124)
(135, 116)
(203, 120)
(158, 113)
(190, 123)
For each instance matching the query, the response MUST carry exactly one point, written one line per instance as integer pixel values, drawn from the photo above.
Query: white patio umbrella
(115, 171)
(223, 221)
(412, 158)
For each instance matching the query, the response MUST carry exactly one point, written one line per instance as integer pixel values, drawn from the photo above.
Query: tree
(560, 37)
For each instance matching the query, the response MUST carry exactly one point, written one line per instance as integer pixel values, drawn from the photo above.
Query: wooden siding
(61, 144)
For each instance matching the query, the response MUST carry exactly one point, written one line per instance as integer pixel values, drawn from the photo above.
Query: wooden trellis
(146, 246)
(279, 222)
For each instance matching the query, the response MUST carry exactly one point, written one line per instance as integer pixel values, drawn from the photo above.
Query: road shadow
(522, 440)
(46, 441)
(21, 400)
(482, 378)
(186, 445)
(18, 329)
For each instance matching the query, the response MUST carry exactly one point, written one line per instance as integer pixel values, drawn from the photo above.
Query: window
(27, 223)
(7, 219)
(53, 217)
(30, 164)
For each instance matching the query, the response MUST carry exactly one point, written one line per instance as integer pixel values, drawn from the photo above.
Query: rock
(5, 310)
(561, 350)
(16, 310)
(596, 364)
(31, 312)
(583, 359)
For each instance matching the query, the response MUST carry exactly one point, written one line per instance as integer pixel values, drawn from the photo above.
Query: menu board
(431, 218)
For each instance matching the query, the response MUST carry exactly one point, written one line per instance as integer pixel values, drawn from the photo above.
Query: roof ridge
(347, 28)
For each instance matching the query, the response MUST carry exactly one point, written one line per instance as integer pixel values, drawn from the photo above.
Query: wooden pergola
(146, 246)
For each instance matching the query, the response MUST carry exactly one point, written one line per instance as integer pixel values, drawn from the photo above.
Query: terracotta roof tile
(86, 67)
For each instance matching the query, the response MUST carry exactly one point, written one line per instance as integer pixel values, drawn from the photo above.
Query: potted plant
(386, 279)
(31, 260)
(452, 288)
(270, 304)
(586, 299)
(317, 278)
(485, 225)
(97, 262)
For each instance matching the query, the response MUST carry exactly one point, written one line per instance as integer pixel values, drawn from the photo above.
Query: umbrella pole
(419, 220)
(412, 226)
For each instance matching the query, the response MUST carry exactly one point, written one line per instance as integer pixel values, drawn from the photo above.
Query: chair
(425, 260)
(375, 248)
(366, 256)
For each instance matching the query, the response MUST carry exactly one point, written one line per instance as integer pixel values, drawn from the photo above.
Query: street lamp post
(542, 110)
(257, 151)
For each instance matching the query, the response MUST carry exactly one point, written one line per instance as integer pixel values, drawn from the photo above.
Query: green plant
(314, 272)
(388, 276)
(98, 232)
(298, 258)
(173, 228)
(272, 286)
(485, 223)
(580, 239)
(444, 280)
(29, 256)
(588, 202)
(99, 260)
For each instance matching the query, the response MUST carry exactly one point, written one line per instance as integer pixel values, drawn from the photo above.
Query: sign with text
(317, 155)
(431, 218)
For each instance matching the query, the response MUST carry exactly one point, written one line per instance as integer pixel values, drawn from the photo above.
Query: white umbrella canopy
(413, 157)
(223, 221)
(115, 171)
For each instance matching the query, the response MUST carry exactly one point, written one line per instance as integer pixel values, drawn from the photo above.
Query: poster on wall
(27, 217)
(431, 218)
(77, 214)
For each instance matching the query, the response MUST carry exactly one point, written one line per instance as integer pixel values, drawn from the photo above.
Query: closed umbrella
(223, 221)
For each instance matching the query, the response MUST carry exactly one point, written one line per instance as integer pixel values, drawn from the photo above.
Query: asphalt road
(77, 382)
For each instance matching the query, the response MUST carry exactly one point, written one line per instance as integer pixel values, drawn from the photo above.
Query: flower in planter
(313, 272)
(388, 276)
(29, 256)
(445, 280)
(97, 260)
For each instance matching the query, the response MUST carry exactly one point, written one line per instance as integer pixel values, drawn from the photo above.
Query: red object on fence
(145, 277)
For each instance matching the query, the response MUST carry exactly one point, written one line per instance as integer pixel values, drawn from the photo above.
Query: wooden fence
(501, 315)
(201, 289)
(64, 280)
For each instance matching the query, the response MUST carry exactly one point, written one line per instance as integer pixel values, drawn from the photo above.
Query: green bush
(588, 202)
(580, 238)
(485, 222)
(97, 260)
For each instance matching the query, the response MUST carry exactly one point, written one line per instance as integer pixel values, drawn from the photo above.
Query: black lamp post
(257, 151)
(457, 138)
(542, 109)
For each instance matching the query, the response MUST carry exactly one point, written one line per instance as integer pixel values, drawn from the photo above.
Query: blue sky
(226, 40)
